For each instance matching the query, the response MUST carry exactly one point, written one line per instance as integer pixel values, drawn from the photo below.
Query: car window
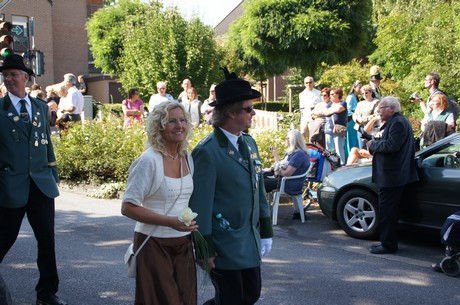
(447, 156)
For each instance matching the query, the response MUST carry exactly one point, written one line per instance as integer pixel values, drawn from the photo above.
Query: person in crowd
(3, 90)
(206, 110)
(438, 122)
(336, 114)
(81, 84)
(351, 139)
(318, 136)
(296, 161)
(158, 189)
(28, 183)
(51, 94)
(365, 111)
(372, 128)
(186, 84)
(38, 93)
(77, 102)
(160, 97)
(64, 103)
(308, 99)
(193, 106)
(431, 83)
(393, 167)
(375, 82)
(35, 87)
(133, 108)
(52, 111)
(228, 183)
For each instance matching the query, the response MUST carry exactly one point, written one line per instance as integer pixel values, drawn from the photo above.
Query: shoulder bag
(339, 130)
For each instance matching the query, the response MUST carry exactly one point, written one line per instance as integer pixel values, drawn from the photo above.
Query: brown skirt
(166, 271)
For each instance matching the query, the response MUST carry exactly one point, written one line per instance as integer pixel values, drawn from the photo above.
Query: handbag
(130, 257)
(130, 261)
(338, 130)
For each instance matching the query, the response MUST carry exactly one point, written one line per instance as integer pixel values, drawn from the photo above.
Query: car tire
(358, 215)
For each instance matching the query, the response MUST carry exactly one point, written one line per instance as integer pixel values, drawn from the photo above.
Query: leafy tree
(301, 33)
(106, 32)
(153, 45)
(416, 37)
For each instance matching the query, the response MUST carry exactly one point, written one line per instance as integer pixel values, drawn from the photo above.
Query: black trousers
(237, 287)
(40, 213)
(271, 183)
(389, 203)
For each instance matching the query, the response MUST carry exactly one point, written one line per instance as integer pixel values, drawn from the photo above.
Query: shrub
(98, 152)
(267, 138)
(273, 106)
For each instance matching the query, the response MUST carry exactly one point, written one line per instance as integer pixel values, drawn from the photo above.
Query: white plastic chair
(298, 200)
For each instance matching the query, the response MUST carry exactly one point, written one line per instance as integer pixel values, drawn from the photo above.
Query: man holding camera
(431, 82)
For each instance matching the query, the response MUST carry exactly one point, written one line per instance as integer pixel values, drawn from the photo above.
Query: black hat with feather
(233, 89)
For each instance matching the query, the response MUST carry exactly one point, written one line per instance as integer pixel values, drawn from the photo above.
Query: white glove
(265, 246)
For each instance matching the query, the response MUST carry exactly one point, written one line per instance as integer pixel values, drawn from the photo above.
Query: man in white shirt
(308, 99)
(160, 97)
(76, 100)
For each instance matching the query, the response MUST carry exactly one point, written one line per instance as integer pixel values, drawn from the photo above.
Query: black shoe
(295, 216)
(436, 267)
(382, 250)
(210, 302)
(51, 300)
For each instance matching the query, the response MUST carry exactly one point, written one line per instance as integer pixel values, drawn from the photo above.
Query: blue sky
(210, 12)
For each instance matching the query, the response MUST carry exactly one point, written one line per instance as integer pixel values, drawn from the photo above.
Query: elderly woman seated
(296, 161)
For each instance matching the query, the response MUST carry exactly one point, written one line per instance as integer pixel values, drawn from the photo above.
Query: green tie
(24, 113)
(242, 148)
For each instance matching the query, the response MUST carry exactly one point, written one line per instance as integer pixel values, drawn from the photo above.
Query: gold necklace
(171, 156)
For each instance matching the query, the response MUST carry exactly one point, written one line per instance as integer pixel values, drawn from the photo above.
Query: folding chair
(298, 200)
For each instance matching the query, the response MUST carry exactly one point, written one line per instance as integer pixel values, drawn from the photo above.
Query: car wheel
(357, 214)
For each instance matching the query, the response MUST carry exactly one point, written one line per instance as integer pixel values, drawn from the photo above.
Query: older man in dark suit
(228, 184)
(28, 174)
(393, 167)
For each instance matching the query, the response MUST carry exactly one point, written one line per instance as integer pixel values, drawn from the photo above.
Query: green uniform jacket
(24, 155)
(224, 183)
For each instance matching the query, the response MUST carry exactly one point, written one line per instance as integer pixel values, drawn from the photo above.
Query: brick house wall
(59, 33)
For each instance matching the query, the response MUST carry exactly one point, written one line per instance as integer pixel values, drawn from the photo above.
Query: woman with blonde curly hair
(158, 189)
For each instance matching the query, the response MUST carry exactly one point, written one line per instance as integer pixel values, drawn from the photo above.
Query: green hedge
(101, 152)
(98, 152)
(273, 106)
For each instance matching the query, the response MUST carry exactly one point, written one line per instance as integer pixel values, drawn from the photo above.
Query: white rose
(187, 216)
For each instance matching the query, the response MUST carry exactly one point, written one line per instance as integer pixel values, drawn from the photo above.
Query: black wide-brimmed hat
(233, 89)
(15, 61)
(376, 77)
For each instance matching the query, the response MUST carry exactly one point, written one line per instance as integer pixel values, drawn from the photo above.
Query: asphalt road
(310, 263)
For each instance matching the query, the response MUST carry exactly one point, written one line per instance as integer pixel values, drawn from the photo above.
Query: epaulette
(204, 140)
(41, 100)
